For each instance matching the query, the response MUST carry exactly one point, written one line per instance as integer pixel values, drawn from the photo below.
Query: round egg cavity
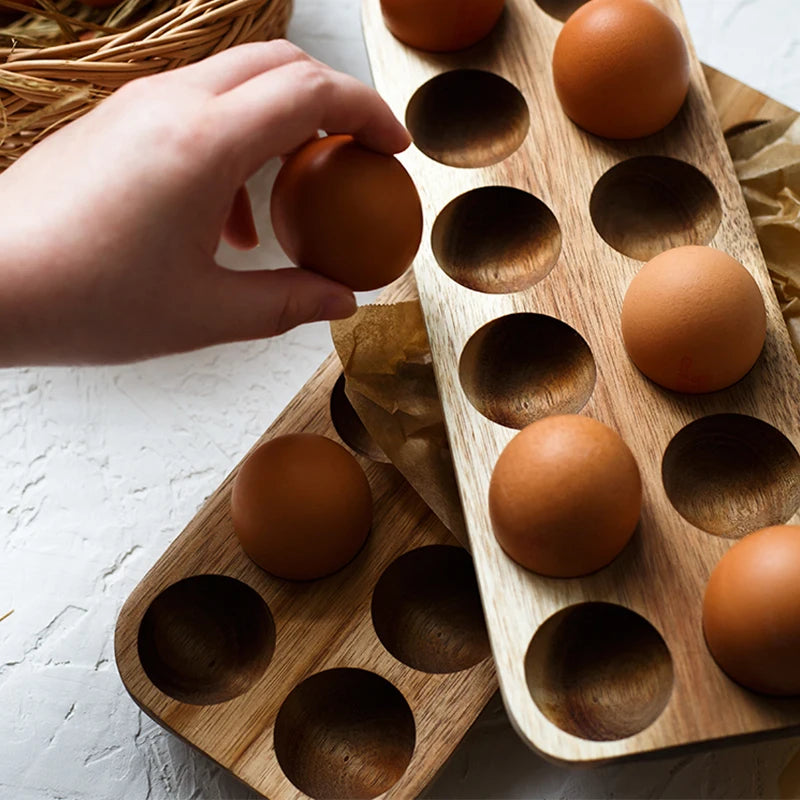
(496, 239)
(349, 426)
(741, 127)
(561, 10)
(648, 204)
(344, 733)
(206, 639)
(729, 474)
(427, 612)
(468, 118)
(599, 671)
(522, 367)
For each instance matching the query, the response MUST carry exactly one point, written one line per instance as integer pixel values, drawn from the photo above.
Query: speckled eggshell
(441, 25)
(301, 506)
(347, 212)
(565, 496)
(693, 320)
(751, 611)
(621, 68)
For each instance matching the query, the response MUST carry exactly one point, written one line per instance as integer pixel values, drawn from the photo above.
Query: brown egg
(301, 506)
(441, 25)
(693, 320)
(565, 496)
(621, 68)
(347, 212)
(751, 611)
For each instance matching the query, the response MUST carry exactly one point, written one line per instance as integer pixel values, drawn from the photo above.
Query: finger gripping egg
(301, 506)
(347, 212)
(441, 25)
(751, 611)
(621, 68)
(693, 320)
(565, 496)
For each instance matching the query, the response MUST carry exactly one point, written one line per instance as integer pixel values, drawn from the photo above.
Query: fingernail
(338, 306)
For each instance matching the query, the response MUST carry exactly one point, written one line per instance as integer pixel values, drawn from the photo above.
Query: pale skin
(109, 227)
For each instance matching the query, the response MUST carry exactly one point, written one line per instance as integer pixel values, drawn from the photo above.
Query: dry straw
(61, 58)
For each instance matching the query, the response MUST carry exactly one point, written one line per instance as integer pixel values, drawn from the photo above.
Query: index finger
(229, 68)
(273, 113)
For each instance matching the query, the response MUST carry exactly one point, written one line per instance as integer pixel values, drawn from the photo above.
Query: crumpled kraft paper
(386, 356)
(390, 383)
(767, 161)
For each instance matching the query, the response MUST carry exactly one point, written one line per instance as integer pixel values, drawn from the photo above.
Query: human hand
(109, 227)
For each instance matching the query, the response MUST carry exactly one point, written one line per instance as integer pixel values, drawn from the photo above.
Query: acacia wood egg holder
(534, 230)
(355, 685)
(291, 686)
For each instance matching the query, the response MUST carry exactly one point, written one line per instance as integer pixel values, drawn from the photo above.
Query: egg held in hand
(621, 68)
(347, 212)
(441, 25)
(301, 506)
(751, 611)
(693, 320)
(565, 496)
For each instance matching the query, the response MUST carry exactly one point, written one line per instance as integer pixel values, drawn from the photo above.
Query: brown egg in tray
(534, 230)
(362, 683)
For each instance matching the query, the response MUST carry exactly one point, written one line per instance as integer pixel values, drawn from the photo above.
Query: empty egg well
(730, 474)
(648, 204)
(427, 612)
(344, 733)
(349, 426)
(496, 239)
(206, 639)
(467, 118)
(599, 671)
(560, 9)
(522, 367)
(741, 127)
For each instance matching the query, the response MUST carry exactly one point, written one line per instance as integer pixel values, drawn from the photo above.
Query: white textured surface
(101, 468)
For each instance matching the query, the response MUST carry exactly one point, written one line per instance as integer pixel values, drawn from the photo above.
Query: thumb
(256, 305)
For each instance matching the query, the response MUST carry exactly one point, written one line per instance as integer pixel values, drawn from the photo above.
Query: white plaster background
(101, 468)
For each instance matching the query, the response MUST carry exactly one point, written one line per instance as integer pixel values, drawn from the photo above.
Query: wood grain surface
(637, 676)
(195, 651)
(369, 722)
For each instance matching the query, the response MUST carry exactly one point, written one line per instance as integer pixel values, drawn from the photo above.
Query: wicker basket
(60, 59)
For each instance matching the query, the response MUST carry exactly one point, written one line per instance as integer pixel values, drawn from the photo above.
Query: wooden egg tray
(521, 280)
(208, 625)
(218, 651)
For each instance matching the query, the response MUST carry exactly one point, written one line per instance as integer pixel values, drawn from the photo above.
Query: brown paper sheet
(390, 383)
(386, 356)
(767, 161)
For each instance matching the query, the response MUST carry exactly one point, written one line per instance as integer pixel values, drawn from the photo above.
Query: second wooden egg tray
(534, 229)
(357, 685)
